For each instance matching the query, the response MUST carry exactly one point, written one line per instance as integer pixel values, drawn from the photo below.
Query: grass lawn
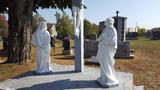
(145, 66)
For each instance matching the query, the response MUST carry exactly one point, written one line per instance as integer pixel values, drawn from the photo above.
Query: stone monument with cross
(124, 48)
(120, 25)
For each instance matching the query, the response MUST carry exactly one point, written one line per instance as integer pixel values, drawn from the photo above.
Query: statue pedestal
(65, 78)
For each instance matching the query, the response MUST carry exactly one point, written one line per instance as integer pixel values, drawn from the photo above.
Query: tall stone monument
(124, 48)
(120, 25)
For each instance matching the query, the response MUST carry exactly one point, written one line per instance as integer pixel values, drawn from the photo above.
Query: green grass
(146, 64)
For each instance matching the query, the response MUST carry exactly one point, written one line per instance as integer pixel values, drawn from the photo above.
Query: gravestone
(90, 47)
(66, 46)
(124, 51)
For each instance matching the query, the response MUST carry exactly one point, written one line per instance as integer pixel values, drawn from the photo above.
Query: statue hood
(109, 22)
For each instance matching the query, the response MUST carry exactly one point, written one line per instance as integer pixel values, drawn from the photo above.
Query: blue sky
(146, 13)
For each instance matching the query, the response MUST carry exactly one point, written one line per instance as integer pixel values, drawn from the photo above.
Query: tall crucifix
(77, 12)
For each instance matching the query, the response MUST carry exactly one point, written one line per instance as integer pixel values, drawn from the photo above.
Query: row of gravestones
(91, 47)
(123, 50)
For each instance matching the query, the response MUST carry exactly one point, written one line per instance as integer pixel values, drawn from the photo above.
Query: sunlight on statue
(41, 39)
(77, 17)
(106, 50)
(77, 13)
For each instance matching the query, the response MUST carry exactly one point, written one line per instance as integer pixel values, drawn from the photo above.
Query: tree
(63, 25)
(88, 28)
(95, 29)
(20, 19)
(141, 32)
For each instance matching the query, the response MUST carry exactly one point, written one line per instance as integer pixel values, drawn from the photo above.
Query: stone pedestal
(65, 78)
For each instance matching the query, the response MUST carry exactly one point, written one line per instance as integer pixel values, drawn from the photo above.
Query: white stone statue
(77, 15)
(106, 50)
(41, 39)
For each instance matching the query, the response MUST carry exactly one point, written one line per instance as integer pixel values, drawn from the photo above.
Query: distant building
(52, 30)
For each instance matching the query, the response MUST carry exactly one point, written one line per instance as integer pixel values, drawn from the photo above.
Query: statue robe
(41, 39)
(106, 50)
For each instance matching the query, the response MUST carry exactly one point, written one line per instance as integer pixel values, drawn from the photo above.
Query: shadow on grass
(26, 74)
(63, 85)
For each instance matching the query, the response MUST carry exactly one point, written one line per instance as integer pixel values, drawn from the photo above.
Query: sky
(143, 13)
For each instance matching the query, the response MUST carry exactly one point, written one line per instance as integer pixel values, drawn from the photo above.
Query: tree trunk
(20, 17)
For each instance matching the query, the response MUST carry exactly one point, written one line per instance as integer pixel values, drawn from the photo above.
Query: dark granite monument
(66, 45)
(90, 47)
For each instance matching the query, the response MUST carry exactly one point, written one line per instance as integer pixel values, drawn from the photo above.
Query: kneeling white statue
(106, 50)
(41, 39)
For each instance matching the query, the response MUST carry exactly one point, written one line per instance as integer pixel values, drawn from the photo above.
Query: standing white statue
(41, 39)
(106, 50)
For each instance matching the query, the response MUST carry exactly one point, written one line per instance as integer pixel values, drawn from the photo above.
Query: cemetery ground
(145, 66)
